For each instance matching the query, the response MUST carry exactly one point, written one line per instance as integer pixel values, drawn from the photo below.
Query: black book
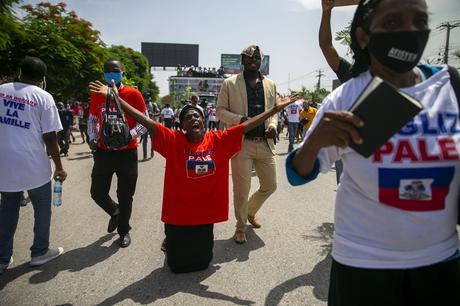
(384, 110)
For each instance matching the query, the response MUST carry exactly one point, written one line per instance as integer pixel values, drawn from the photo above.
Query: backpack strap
(455, 81)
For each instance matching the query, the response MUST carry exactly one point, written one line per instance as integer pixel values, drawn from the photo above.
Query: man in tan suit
(243, 96)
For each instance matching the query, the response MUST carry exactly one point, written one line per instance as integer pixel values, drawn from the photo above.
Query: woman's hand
(327, 4)
(336, 129)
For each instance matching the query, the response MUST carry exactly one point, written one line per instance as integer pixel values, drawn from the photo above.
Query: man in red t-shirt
(196, 162)
(121, 161)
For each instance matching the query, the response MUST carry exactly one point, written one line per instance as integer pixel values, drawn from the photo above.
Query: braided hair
(361, 19)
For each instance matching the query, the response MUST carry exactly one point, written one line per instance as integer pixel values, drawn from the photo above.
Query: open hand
(100, 88)
(327, 4)
(337, 129)
(281, 103)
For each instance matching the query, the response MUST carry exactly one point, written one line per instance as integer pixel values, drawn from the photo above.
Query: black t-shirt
(344, 71)
(256, 106)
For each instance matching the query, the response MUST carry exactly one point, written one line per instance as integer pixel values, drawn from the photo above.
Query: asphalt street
(286, 262)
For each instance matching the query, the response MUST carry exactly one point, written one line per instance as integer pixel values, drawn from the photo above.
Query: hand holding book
(384, 110)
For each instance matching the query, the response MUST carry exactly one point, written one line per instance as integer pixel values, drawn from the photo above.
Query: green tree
(343, 36)
(69, 45)
(8, 23)
(136, 69)
(9, 34)
(316, 95)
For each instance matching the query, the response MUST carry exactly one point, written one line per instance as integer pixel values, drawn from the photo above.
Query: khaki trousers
(259, 155)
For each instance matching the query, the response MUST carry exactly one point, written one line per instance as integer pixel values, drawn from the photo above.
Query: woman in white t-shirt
(395, 240)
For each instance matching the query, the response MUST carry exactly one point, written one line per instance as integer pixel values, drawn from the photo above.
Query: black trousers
(189, 247)
(434, 285)
(124, 165)
(168, 123)
(63, 141)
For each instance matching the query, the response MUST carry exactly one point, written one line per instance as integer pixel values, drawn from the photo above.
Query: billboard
(231, 64)
(170, 55)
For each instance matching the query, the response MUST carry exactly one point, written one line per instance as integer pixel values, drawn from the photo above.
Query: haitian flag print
(200, 168)
(420, 189)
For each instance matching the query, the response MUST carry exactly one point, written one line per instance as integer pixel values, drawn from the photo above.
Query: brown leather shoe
(254, 221)
(240, 236)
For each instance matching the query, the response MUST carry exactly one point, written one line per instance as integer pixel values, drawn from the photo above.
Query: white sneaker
(4, 266)
(48, 256)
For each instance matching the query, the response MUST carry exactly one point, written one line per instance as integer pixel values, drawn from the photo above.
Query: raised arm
(102, 89)
(325, 36)
(280, 104)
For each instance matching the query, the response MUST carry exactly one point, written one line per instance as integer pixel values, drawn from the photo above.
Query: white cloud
(301, 5)
(310, 5)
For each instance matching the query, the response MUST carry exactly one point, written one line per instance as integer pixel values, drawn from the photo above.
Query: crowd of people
(203, 72)
(389, 247)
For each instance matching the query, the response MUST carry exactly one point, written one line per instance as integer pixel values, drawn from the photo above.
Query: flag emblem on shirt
(198, 169)
(421, 189)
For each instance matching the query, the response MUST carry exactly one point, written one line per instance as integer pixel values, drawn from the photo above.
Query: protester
(83, 122)
(66, 118)
(107, 161)
(196, 162)
(391, 247)
(145, 137)
(338, 64)
(307, 114)
(167, 114)
(293, 118)
(241, 97)
(212, 118)
(28, 123)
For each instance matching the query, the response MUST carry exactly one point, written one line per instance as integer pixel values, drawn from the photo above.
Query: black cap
(187, 108)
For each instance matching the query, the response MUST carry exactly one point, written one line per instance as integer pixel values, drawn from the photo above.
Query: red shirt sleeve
(138, 101)
(164, 140)
(231, 140)
(93, 101)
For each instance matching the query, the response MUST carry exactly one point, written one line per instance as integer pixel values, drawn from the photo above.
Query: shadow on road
(73, 261)
(318, 278)
(162, 283)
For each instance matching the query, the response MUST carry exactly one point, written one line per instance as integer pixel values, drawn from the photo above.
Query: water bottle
(57, 193)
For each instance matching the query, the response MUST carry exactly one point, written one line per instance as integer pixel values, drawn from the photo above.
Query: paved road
(286, 262)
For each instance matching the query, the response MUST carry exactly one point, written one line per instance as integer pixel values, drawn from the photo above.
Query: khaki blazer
(232, 103)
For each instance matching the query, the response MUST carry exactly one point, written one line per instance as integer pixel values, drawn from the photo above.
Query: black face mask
(399, 51)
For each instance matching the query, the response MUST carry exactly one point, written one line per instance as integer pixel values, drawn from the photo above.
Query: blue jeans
(292, 129)
(9, 216)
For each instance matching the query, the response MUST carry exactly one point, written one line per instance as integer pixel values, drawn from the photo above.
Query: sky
(287, 30)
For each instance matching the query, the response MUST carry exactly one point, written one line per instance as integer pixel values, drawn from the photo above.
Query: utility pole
(289, 81)
(319, 75)
(448, 26)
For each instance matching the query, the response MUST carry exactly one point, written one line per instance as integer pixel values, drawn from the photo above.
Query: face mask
(115, 76)
(399, 51)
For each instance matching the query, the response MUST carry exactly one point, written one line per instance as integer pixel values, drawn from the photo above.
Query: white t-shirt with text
(26, 113)
(398, 208)
(293, 111)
